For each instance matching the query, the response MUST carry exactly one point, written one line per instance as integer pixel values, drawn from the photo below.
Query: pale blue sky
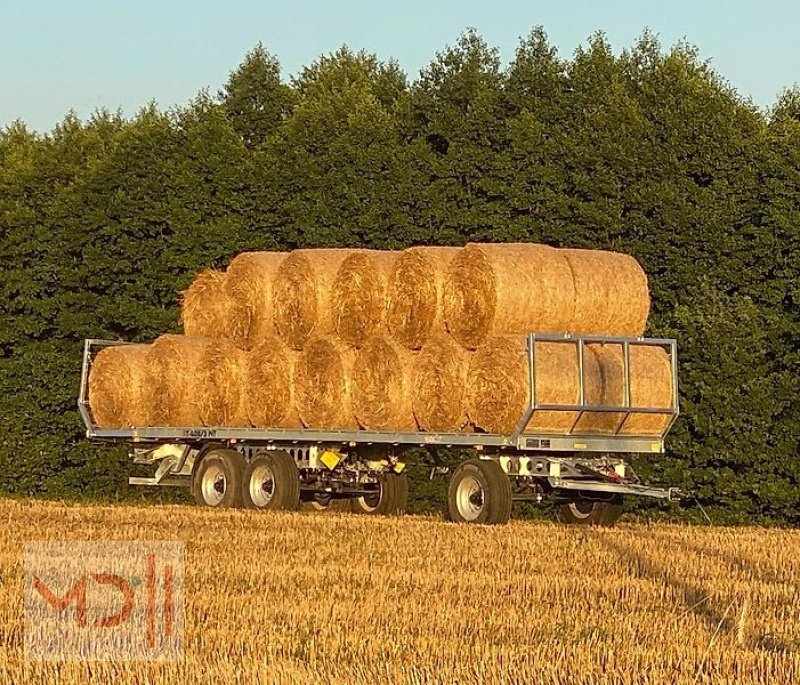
(85, 54)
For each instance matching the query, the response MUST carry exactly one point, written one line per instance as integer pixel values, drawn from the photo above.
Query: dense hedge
(651, 152)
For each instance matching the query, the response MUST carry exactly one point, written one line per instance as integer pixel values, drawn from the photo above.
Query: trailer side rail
(518, 440)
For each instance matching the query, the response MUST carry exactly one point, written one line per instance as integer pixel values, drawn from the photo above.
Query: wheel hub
(213, 486)
(470, 498)
(262, 486)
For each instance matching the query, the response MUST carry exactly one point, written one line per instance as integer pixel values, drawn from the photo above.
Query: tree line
(104, 221)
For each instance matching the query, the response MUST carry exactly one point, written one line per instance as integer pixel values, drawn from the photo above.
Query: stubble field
(334, 598)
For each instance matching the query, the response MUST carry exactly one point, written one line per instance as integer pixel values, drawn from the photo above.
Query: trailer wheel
(217, 481)
(324, 502)
(479, 492)
(271, 481)
(588, 513)
(390, 499)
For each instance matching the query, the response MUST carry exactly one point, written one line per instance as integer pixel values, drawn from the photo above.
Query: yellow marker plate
(330, 459)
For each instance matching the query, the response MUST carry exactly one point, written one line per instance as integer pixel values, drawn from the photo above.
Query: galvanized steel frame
(517, 441)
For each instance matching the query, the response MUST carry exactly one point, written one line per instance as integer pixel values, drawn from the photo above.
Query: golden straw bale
(116, 385)
(416, 292)
(302, 294)
(382, 385)
(269, 387)
(221, 370)
(359, 297)
(499, 380)
(206, 309)
(611, 295)
(174, 382)
(249, 284)
(440, 384)
(495, 289)
(651, 386)
(322, 381)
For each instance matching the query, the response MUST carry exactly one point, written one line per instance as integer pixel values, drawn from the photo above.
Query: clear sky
(57, 55)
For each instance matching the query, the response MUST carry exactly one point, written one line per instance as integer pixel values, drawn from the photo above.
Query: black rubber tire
(285, 482)
(588, 513)
(496, 491)
(392, 499)
(320, 504)
(231, 465)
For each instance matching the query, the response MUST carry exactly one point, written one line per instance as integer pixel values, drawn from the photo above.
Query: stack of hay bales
(429, 339)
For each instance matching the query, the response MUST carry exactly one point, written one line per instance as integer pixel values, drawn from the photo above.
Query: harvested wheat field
(338, 598)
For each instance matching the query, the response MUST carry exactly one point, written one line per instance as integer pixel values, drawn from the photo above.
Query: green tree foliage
(103, 222)
(255, 99)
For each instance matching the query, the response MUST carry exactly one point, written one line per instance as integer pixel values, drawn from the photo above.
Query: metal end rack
(520, 440)
(626, 409)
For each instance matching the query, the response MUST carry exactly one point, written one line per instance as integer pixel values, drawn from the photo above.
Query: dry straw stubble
(174, 380)
(359, 295)
(382, 385)
(440, 384)
(416, 293)
(269, 394)
(322, 381)
(219, 397)
(116, 386)
(302, 294)
(249, 285)
(206, 309)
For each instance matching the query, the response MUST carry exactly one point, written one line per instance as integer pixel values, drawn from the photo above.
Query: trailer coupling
(655, 492)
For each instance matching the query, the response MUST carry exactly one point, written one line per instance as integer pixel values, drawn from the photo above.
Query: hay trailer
(363, 471)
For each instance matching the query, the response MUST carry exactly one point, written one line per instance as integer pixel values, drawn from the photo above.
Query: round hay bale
(116, 385)
(359, 297)
(219, 398)
(269, 387)
(651, 386)
(440, 381)
(416, 292)
(500, 378)
(322, 381)
(611, 296)
(174, 382)
(302, 294)
(206, 309)
(249, 285)
(382, 384)
(510, 288)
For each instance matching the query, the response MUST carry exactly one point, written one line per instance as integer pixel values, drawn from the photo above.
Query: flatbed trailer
(363, 470)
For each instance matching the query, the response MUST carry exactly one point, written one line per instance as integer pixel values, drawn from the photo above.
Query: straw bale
(174, 381)
(383, 375)
(206, 309)
(116, 385)
(521, 288)
(651, 386)
(359, 297)
(507, 288)
(322, 381)
(611, 296)
(269, 387)
(500, 379)
(440, 383)
(220, 397)
(416, 292)
(249, 285)
(302, 294)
